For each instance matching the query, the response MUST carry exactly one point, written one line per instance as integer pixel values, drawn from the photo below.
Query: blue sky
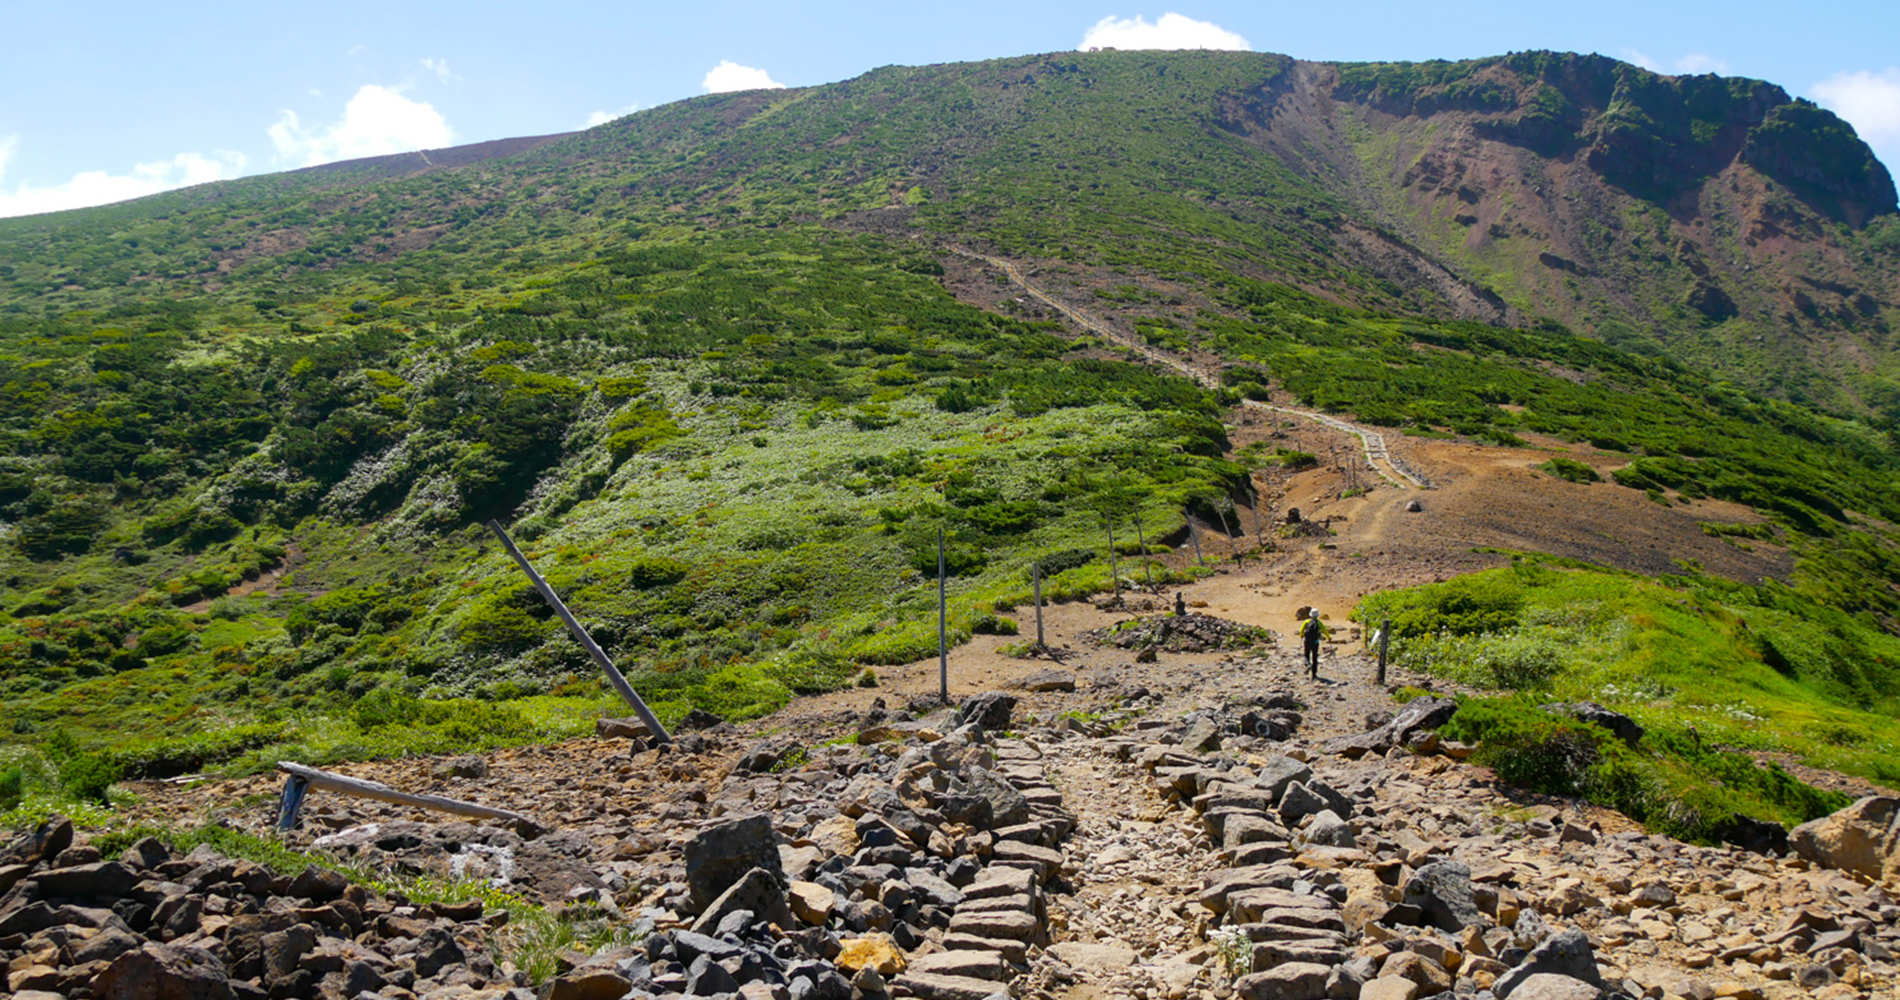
(102, 101)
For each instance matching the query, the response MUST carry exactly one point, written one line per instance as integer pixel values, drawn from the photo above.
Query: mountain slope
(723, 369)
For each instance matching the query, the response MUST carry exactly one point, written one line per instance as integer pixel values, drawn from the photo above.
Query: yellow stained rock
(876, 951)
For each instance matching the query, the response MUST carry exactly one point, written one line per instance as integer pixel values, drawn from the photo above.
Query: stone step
(1011, 850)
(1043, 795)
(968, 964)
(995, 903)
(1028, 833)
(1000, 882)
(1269, 954)
(1017, 925)
(1015, 952)
(1260, 853)
(1221, 885)
(928, 986)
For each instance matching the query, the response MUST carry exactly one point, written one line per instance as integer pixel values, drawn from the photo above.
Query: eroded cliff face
(1715, 218)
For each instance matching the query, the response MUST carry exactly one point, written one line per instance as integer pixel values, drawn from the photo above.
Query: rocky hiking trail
(1378, 457)
(1159, 808)
(1209, 824)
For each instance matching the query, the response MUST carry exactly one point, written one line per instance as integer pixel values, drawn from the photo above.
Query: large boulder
(1565, 954)
(1621, 726)
(1422, 713)
(1863, 838)
(163, 972)
(1443, 891)
(989, 710)
(719, 856)
(1287, 981)
(1419, 715)
(758, 891)
(1279, 773)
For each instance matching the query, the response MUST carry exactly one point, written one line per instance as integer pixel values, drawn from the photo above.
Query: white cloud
(603, 117)
(1694, 62)
(1172, 31)
(1701, 62)
(729, 76)
(97, 187)
(1871, 103)
(440, 67)
(378, 120)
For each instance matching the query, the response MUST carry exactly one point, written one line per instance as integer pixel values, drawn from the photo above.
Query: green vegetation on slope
(251, 430)
(1717, 672)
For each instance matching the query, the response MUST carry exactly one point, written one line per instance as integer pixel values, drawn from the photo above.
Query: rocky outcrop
(1863, 838)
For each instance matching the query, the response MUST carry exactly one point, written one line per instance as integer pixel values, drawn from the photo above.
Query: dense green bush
(88, 776)
(12, 786)
(1575, 471)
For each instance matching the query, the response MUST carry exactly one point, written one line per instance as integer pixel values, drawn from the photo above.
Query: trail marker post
(1385, 637)
(943, 614)
(606, 664)
(1114, 567)
(1147, 568)
(1195, 535)
(1035, 576)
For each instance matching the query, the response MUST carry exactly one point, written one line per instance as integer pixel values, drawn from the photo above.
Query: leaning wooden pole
(587, 642)
(302, 777)
(1188, 516)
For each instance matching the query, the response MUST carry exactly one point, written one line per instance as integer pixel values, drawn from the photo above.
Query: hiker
(1311, 630)
(1180, 606)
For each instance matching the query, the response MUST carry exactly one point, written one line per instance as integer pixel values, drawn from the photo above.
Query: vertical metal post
(1194, 534)
(291, 804)
(1036, 580)
(1147, 568)
(580, 635)
(1385, 637)
(943, 614)
(1114, 567)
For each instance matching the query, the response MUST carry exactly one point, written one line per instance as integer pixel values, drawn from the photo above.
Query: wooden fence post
(1114, 566)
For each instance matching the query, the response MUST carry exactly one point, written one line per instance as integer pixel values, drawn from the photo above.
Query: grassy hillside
(702, 362)
(1724, 677)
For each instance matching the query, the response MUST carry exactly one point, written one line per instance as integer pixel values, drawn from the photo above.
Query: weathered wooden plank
(362, 788)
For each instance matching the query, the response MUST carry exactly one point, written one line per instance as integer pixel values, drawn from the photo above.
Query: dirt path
(1370, 441)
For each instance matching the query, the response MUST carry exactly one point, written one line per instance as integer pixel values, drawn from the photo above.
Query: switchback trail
(1378, 456)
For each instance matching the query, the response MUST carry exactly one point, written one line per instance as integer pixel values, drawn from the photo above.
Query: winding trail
(1378, 456)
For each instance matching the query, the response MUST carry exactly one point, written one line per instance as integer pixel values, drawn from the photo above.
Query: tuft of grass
(1570, 469)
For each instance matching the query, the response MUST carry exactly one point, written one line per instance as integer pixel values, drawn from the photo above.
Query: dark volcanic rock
(990, 710)
(721, 855)
(1442, 890)
(163, 972)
